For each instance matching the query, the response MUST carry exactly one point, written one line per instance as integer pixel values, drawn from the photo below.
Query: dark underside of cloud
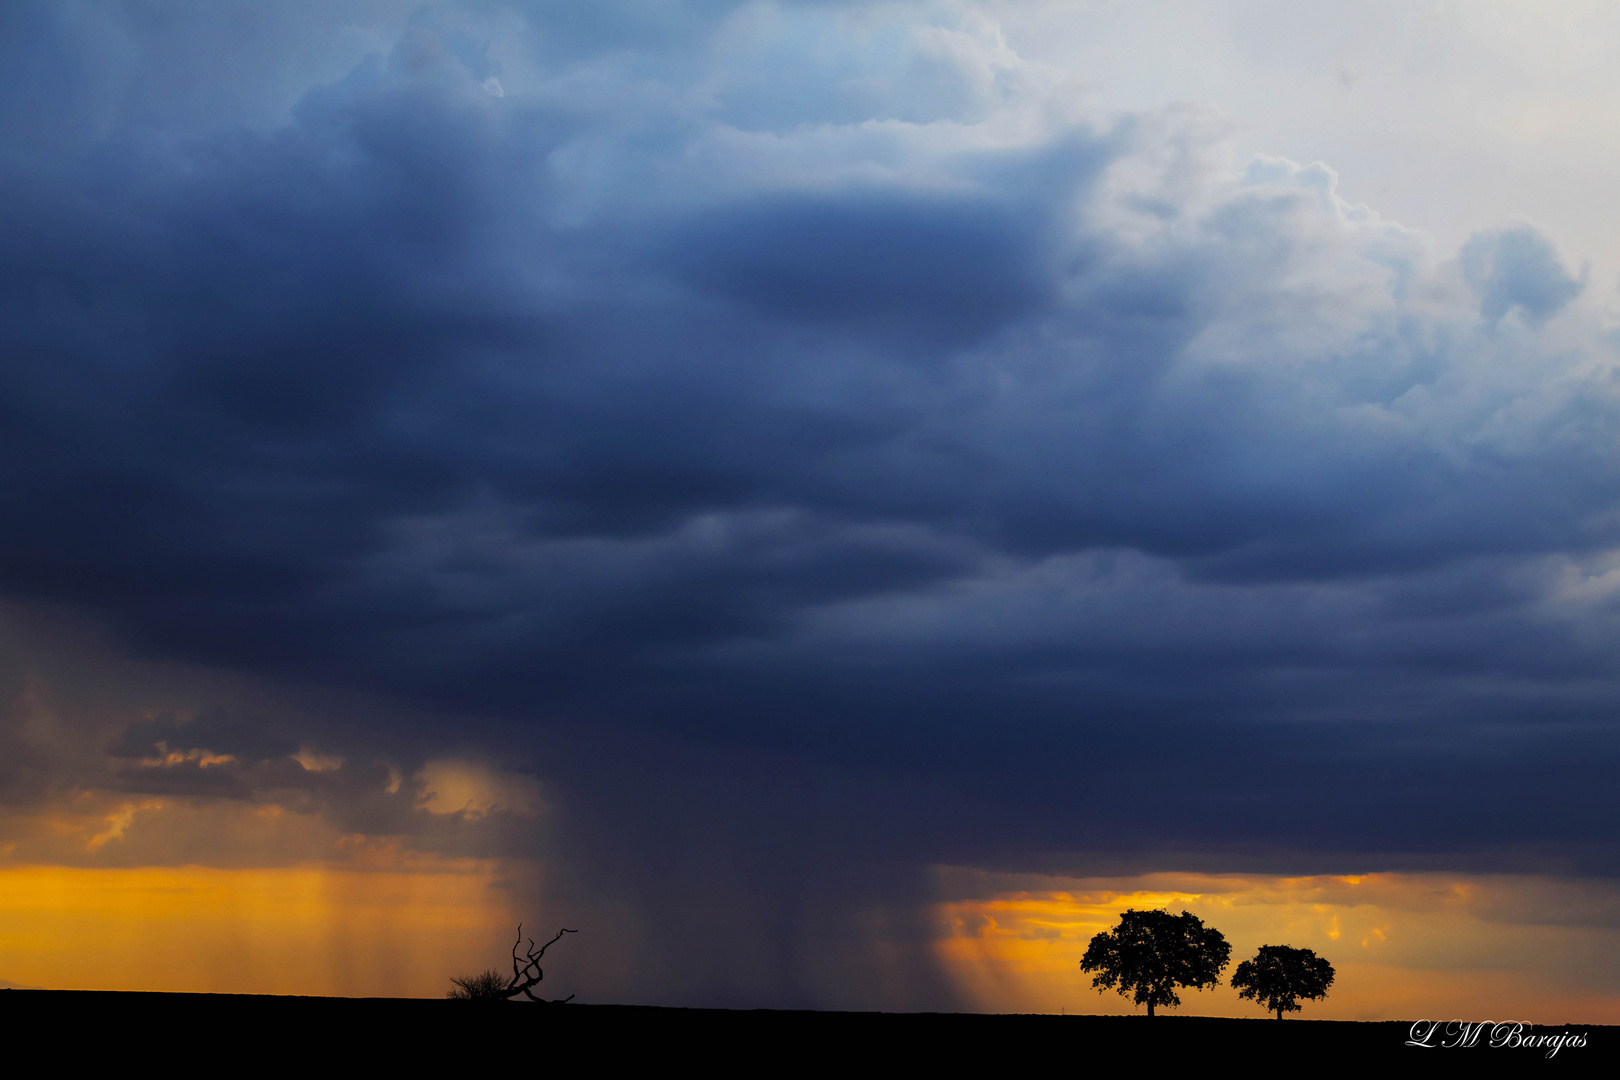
(808, 493)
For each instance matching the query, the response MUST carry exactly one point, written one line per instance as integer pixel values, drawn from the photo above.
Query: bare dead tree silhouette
(526, 975)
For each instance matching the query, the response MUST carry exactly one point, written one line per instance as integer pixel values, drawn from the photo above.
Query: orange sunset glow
(1403, 946)
(314, 930)
(283, 930)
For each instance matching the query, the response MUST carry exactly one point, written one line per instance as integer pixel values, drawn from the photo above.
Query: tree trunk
(1150, 1008)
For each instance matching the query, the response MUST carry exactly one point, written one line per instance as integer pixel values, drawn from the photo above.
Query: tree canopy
(1280, 975)
(1152, 953)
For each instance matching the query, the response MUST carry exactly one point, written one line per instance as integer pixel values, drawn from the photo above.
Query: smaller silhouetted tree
(1151, 953)
(1279, 976)
(526, 975)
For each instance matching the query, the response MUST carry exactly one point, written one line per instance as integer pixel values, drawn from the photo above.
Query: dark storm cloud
(1116, 505)
(213, 729)
(950, 268)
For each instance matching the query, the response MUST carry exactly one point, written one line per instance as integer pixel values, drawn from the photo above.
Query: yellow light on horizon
(311, 929)
(1403, 946)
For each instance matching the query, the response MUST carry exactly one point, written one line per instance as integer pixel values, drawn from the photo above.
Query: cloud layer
(820, 441)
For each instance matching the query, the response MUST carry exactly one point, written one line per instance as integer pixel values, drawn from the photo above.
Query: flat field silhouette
(297, 1033)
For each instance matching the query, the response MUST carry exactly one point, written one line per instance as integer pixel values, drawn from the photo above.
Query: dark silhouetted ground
(313, 1035)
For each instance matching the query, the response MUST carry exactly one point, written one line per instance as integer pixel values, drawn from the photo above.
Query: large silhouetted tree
(1151, 953)
(1279, 975)
(526, 975)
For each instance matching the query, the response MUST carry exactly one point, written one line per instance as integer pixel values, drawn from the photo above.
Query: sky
(831, 501)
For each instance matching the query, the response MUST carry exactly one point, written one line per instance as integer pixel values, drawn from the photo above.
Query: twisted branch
(526, 971)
